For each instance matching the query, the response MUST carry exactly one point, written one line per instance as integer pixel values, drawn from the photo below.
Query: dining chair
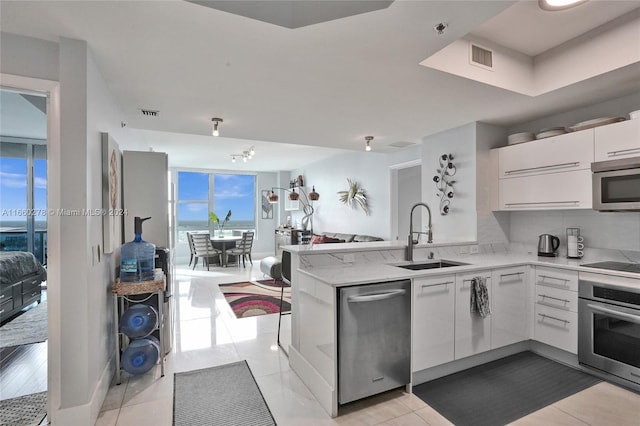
(203, 248)
(242, 248)
(191, 249)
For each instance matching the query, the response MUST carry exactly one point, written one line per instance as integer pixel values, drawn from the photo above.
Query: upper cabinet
(619, 140)
(571, 151)
(552, 173)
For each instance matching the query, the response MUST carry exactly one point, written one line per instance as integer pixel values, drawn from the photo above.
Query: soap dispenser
(138, 256)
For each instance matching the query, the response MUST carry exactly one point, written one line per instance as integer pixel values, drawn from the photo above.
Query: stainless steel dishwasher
(374, 339)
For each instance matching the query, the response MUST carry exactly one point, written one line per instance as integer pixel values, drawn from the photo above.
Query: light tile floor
(208, 334)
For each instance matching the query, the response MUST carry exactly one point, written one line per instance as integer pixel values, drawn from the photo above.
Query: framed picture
(267, 207)
(111, 194)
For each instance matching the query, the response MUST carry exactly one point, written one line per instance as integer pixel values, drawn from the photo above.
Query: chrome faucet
(411, 241)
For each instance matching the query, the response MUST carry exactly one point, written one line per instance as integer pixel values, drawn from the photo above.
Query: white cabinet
(510, 306)
(618, 140)
(472, 332)
(571, 151)
(433, 321)
(556, 313)
(548, 191)
(552, 173)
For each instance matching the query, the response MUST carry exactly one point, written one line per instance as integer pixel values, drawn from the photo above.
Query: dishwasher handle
(375, 297)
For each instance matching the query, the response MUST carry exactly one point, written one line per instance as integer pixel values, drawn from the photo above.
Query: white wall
(80, 313)
(460, 223)
(329, 176)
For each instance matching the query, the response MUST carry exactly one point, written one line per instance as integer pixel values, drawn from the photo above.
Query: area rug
(30, 327)
(502, 391)
(24, 410)
(223, 395)
(248, 299)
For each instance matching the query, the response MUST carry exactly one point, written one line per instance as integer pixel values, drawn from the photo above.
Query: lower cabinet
(433, 320)
(472, 332)
(510, 306)
(556, 308)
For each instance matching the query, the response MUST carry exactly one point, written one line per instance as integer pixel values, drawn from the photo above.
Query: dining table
(223, 243)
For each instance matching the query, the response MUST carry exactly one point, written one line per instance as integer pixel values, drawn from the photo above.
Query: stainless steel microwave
(616, 185)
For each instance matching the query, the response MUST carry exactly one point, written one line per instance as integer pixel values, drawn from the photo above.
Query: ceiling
(324, 86)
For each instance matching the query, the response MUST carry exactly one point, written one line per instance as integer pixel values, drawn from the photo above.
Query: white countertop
(363, 246)
(375, 272)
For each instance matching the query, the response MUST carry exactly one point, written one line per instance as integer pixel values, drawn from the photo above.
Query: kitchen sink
(431, 265)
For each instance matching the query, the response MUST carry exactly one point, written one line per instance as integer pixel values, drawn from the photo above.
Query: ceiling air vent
(150, 112)
(481, 57)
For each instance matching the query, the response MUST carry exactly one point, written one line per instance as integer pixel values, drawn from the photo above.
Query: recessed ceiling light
(553, 5)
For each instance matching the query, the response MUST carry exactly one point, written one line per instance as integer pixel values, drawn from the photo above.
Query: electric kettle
(547, 245)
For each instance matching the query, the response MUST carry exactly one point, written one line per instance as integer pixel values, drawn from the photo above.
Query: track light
(246, 155)
(233, 158)
(216, 121)
(252, 151)
(368, 145)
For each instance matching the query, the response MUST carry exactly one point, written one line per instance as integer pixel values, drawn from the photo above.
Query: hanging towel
(480, 297)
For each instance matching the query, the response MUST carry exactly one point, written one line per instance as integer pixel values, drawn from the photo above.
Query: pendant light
(368, 140)
(216, 122)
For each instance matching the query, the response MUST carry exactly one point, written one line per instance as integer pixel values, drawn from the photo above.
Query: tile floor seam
(571, 415)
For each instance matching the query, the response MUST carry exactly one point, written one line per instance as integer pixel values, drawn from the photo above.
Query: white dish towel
(480, 297)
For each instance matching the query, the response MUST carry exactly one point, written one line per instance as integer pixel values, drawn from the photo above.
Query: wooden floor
(23, 370)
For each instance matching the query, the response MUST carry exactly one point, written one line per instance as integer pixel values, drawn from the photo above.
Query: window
(23, 198)
(201, 193)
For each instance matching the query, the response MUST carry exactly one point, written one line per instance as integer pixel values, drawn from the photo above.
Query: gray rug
(502, 391)
(30, 327)
(24, 410)
(223, 396)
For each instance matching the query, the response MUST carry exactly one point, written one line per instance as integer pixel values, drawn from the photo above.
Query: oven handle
(621, 315)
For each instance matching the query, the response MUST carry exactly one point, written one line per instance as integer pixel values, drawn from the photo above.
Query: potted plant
(215, 219)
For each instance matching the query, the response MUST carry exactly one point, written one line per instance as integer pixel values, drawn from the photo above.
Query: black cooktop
(616, 266)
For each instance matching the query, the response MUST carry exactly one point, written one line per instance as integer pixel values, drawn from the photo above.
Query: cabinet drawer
(557, 298)
(557, 327)
(549, 191)
(6, 294)
(571, 151)
(6, 305)
(619, 140)
(558, 278)
(32, 293)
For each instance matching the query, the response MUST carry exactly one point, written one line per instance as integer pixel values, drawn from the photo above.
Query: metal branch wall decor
(355, 196)
(444, 182)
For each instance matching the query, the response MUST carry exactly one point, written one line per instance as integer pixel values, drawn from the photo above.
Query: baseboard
(468, 362)
(324, 393)
(86, 414)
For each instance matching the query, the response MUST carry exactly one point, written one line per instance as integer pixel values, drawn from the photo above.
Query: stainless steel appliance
(374, 339)
(548, 245)
(616, 185)
(609, 322)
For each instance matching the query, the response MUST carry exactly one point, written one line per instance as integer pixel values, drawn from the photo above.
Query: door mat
(248, 299)
(30, 327)
(225, 395)
(502, 391)
(24, 410)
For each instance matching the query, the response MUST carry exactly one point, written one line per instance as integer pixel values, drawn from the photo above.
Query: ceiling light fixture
(246, 155)
(368, 145)
(440, 28)
(553, 5)
(216, 121)
(233, 158)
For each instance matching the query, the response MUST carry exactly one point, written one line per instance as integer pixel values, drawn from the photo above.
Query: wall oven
(609, 324)
(616, 185)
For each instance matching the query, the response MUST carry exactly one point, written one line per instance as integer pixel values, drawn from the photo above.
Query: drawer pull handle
(554, 318)
(511, 275)
(2, 311)
(622, 151)
(551, 166)
(575, 203)
(566, 280)
(437, 284)
(471, 280)
(2, 296)
(544, 296)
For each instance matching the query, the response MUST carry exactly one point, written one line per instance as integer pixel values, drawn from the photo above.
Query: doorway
(406, 190)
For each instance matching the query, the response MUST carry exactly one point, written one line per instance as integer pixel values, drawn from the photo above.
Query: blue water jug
(139, 320)
(137, 256)
(141, 355)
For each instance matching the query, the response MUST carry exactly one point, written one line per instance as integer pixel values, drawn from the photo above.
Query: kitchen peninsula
(445, 336)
